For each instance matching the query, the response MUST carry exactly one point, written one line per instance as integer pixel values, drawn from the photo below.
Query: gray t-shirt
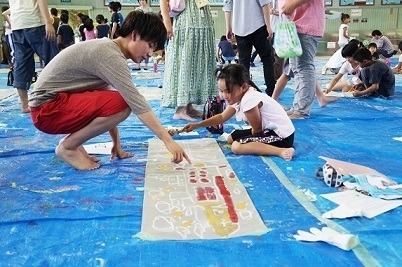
(93, 65)
(247, 16)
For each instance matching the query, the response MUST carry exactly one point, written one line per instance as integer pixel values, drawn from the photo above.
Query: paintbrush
(174, 131)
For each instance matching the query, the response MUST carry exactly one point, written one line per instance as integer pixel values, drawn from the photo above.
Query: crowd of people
(91, 108)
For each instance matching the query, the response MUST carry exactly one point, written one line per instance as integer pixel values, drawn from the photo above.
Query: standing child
(378, 79)
(89, 30)
(344, 37)
(271, 133)
(102, 29)
(65, 34)
(56, 20)
(114, 19)
(81, 19)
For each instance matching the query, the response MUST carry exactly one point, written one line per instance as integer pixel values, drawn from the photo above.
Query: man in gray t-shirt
(87, 90)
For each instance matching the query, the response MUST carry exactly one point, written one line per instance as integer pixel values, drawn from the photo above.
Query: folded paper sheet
(204, 200)
(346, 168)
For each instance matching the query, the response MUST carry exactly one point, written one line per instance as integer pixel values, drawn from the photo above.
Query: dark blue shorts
(27, 42)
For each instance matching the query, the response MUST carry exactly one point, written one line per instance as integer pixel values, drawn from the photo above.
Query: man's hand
(177, 151)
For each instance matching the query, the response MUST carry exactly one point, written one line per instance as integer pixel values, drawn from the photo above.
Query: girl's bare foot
(76, 158)
(287, 153)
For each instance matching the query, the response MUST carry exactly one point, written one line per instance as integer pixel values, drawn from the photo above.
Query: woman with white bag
(309, 31)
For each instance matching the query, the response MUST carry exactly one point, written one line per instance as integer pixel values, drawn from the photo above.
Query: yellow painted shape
(241, 205)
(219, 219)
(187, 223)
(177, 213)
(168, 188)
(199, 165)
(165, 167)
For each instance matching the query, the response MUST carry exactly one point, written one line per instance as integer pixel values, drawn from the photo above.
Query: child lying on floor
(271, 133)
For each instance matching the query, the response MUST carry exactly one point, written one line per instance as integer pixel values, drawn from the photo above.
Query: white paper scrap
(370, 206)
(398, 138)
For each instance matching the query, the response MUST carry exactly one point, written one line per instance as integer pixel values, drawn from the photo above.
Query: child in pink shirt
(89, 30)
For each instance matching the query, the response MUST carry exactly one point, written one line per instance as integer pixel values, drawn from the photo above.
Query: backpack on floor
(34, 78)
(10, 78)
(214, 106)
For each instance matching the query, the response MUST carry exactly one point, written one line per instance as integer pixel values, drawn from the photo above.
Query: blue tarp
(53, 215)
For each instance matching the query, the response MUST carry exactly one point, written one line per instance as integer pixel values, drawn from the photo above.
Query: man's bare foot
(325, 100)
(93, 158)
(76, 158)
(287, 153)
(118, 152)
(192, 112)
(181, 114)
(25, 110)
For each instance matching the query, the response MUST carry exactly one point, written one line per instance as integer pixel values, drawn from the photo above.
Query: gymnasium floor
(53, 215)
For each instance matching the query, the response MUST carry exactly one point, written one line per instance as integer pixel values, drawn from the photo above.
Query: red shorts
(70, 112)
